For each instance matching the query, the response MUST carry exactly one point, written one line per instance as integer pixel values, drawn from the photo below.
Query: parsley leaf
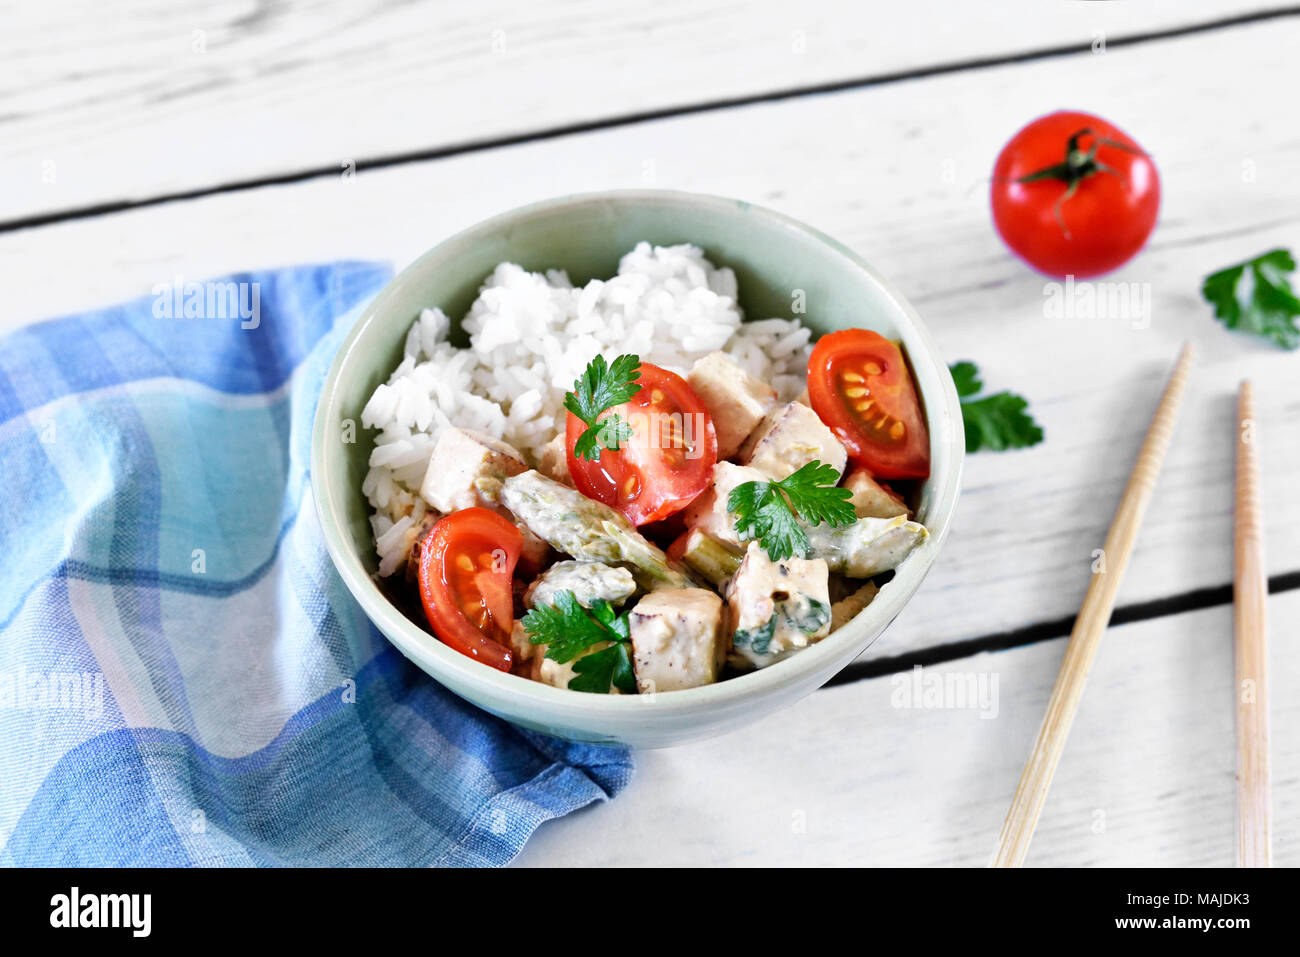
(600, 669)
(1267, 306)
(601, 387)
(995, 422)
(609, 433)
(966, 377)
(813, 492)
(769, 511)
(568, 629)
(612, 620)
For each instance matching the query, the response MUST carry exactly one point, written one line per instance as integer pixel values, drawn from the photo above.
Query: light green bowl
(772, 256)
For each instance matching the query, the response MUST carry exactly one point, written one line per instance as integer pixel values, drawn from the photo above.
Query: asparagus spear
(707, 556)
(867, 547)
(588, 530)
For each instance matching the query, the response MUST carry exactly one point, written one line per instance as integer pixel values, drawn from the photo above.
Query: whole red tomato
(1074, 195)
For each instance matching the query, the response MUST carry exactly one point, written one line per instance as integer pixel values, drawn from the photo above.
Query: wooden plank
(852, 777)
(104, 105)
(897, 172)
(1090, 625)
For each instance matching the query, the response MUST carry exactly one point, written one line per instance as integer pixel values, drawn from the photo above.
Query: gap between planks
(645, 116)
(1196, 600)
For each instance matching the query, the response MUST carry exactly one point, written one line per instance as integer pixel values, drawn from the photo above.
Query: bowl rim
(434, 657)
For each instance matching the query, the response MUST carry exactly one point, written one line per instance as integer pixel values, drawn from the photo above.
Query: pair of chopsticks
(1250, 592)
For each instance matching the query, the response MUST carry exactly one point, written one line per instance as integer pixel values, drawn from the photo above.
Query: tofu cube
(871, 499)
(551, 672)
(467, 469)
(789, 437)
(523, 649)
(677, 639)
(776, 608)
(554, 460)
(736, 401)
(708, 512)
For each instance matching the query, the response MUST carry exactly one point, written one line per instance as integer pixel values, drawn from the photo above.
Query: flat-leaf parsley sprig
(770, 511)
(601, 387)
(567, 629)
(996, 422)
(1267, 306)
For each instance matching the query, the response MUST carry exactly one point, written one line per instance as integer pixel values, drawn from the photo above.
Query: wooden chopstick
(1094, 614)
(1250, 641)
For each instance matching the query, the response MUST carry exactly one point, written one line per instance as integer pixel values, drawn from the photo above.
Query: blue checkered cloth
(184, 680)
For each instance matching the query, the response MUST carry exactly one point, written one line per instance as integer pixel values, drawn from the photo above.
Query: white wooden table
(149, 140)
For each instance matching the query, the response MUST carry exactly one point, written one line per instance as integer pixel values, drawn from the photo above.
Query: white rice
(532, 334)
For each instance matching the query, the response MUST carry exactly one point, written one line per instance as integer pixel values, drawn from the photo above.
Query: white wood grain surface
(1023, 541)
(105, 103)
(845, 777)
(898, 171)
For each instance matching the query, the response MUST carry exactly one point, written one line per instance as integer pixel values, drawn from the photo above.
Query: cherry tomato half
(666, 463)
(1074, 195)
(467, 564)
(860, 386)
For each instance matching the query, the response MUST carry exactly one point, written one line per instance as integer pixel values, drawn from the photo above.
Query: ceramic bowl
(773, 256)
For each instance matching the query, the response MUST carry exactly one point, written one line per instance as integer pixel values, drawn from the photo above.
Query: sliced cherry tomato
(1074, 195)
(467, 564)
(666, 463)
(860, 386)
